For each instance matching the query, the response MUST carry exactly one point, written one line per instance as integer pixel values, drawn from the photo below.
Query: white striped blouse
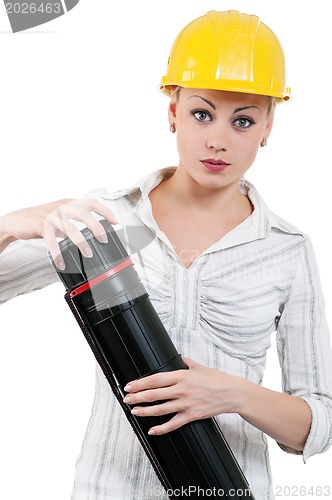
(259, 279)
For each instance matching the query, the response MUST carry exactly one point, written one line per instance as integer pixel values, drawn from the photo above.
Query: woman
(223, 272)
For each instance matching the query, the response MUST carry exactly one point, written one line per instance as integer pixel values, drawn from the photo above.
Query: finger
(68, 229)
(58, 224)
(95, 226)
(88, 204)
(190, 363)
(155, 381)
(174, 423)
(156, 410)
(54, 249)
(85, 212)
(102, 210)
(150, 396)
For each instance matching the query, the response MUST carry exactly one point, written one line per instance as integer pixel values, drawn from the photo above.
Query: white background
(80, 109)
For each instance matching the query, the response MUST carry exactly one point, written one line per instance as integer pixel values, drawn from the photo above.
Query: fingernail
(126, 399)
(135, 412)
(151, 432)
(88, 252)
(127, 388)
(61, 265)
(102, 238)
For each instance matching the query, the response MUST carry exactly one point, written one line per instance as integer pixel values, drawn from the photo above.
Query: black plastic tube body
(130, 341)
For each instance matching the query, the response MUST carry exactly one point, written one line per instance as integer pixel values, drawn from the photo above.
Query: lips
(215, 165)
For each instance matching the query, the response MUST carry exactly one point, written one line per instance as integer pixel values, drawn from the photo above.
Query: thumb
(190, 363)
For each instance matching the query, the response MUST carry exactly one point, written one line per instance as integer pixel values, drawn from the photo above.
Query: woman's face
(219, 133)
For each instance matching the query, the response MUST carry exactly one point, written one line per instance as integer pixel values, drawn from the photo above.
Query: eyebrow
(208, 102)
(236, 110)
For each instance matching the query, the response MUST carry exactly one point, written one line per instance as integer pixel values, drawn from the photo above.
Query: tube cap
(80, 269)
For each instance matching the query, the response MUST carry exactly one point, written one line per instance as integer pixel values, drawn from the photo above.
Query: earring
(263, 143)
(172, 128)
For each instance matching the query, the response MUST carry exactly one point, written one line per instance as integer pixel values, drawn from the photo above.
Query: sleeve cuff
(319, 438)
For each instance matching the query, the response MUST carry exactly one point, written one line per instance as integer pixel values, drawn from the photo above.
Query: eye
(201, 115)
(243, 122)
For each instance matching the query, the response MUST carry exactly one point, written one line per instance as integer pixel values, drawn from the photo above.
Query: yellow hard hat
(227, 51)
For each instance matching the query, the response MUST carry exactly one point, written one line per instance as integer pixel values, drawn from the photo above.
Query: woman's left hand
(197, 393)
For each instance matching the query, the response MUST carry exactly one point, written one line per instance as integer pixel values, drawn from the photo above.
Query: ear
(172, 111)
(269, 123)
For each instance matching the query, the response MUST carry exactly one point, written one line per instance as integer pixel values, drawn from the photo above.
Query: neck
(184, 190)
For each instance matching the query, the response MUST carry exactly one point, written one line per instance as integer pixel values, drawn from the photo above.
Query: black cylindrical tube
(132, 342)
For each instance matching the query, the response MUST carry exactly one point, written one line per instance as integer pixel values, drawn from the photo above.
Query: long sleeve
(24, 267)
(304, 350)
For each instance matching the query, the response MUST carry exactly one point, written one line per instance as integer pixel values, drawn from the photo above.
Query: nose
(217, 138)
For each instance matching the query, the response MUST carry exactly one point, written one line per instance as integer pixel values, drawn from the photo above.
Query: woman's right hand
(54, 220)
